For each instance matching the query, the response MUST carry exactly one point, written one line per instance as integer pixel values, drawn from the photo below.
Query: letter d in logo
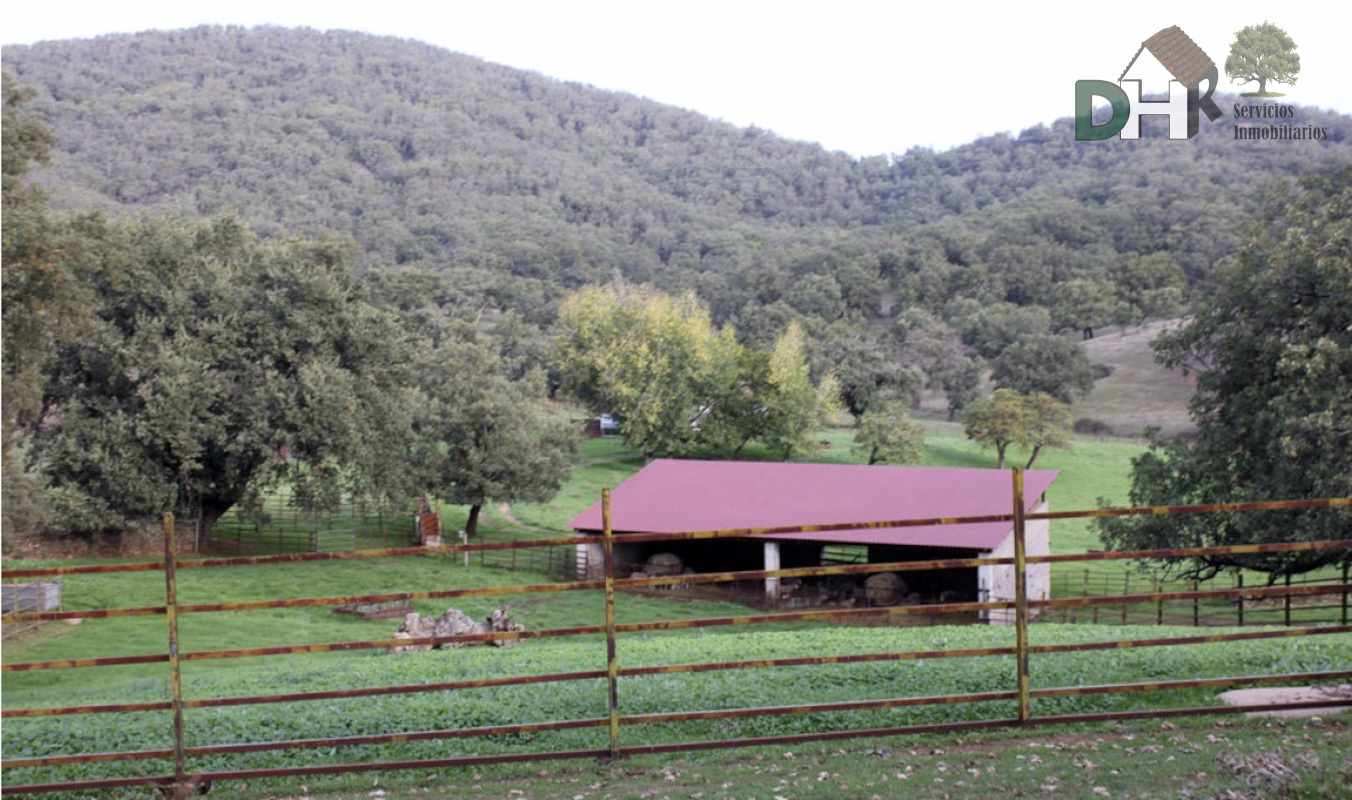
(1085, 92)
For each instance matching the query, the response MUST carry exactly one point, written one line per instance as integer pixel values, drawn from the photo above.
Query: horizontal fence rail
(171, 771)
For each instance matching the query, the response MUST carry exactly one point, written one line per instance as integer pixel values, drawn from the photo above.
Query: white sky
(867, 78)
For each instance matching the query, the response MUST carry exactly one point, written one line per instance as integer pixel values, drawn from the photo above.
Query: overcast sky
(867, 78)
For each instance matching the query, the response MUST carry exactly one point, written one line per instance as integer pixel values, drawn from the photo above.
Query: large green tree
(679, 386)
(1263, 53)
(47, 271)
(483, 437)
(216, 366)
(653, 361)
(863, 362)
(1045, 363)
(1272, 351)
(890, 436)
(790, 406)
(1036, 421)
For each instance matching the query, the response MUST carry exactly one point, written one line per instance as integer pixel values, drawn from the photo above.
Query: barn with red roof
(671, 496)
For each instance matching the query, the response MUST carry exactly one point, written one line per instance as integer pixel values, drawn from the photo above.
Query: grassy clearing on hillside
(1139, 393)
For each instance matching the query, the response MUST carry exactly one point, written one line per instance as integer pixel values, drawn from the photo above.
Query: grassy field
(586, 699)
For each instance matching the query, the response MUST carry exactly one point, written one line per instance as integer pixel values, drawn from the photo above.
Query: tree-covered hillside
(514, 188)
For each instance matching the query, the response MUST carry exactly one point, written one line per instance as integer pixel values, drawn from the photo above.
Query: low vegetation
(1233, 759)
(586, 699)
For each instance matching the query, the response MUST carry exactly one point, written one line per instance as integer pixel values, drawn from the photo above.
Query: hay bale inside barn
(669, 496)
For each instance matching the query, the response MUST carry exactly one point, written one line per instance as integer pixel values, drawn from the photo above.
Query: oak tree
(1272, 351)
(890, 436)
(1044, 363)
(219, 365)
(1036, 421)
(1263, 53)
(485, 438)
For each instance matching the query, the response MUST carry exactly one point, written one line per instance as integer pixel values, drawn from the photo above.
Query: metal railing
(181, 779)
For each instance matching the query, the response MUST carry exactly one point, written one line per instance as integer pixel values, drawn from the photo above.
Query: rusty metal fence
(1233, 610)
(182, 778)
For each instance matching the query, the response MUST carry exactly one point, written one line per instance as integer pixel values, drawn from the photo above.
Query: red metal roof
(669, 496)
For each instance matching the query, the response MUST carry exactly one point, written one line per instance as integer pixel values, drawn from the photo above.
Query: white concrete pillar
(772, 562)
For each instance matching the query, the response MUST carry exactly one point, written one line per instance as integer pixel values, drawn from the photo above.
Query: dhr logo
(1184, 60)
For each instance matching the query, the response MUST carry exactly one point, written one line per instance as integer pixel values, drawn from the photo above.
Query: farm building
(670, 496)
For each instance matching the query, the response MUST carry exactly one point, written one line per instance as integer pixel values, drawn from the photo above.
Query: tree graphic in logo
(1263, 53)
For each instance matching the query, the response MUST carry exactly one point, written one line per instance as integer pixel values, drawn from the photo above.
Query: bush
(1094, 427)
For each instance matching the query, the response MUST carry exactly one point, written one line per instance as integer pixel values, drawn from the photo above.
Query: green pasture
(586, 699)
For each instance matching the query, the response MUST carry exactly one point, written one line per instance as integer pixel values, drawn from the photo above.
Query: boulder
(498, 622)
(663, 564)
(457, 623)
(414, 626)
(885, 589)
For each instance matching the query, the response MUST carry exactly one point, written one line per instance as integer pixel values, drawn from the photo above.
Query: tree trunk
(1000, 450)
(1036, 449)
(210, 511)
(472, 524)
(1262, 85)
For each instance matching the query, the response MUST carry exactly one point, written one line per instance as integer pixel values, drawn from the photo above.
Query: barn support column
(772, 562)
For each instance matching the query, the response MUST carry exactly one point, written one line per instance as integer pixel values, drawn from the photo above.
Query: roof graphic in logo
(1180, 55)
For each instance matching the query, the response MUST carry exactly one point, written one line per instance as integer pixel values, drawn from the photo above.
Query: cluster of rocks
(454, 623)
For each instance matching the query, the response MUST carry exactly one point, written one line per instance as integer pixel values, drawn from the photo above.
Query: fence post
(1239, 605)
(1159, 603)
(1345, 575)
(1084, 591)
(612, 667)
(1286, 616)
(1021, 598)
(171, 616)
(1126, 590)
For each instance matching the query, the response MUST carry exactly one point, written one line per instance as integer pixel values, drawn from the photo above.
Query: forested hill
(519, 187)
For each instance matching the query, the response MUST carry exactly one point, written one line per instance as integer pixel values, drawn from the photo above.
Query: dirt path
(505, 509)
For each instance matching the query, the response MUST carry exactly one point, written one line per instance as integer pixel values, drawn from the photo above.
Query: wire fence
(172, 769)
(278, 525)
(1225, 605)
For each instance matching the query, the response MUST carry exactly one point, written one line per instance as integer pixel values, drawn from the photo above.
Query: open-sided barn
(670, 496)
